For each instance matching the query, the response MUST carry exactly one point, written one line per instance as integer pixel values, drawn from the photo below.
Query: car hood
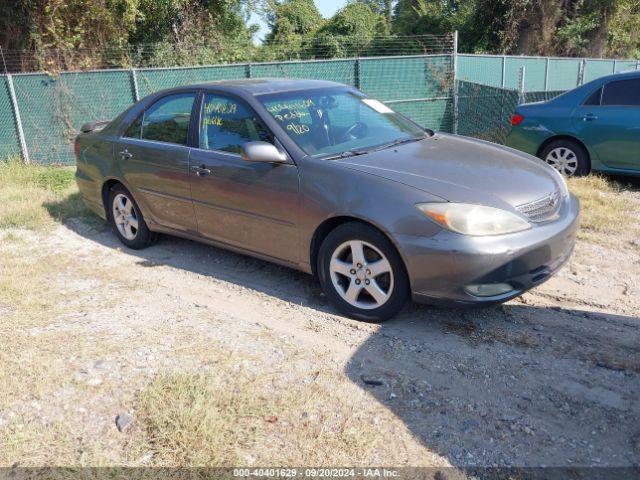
(460, 169)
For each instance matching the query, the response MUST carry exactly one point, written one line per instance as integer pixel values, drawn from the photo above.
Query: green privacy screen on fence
(53, 107)
(9, 144)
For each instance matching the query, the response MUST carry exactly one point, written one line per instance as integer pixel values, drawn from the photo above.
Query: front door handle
(589, 117)
(201, 171)
(125, 154)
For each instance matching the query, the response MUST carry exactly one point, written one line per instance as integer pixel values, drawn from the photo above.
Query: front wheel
(362, 273)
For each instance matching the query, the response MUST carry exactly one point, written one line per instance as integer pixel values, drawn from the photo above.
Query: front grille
(542, 209)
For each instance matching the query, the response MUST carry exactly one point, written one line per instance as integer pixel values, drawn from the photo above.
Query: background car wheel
(362, 273)
(568, 157)
(127, 220)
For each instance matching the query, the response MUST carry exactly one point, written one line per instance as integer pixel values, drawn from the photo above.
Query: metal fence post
(16, 115)
(454, 60)
(249, 70)
(504, 71)
(637, 64)
(615, 65)
(356, 73)
(134, 81)
(521, 85)
(546, 75)
(583, 64)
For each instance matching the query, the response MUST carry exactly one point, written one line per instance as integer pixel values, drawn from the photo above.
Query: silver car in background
(316, 176)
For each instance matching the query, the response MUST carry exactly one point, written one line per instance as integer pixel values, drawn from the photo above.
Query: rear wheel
(568, 157)
(361, 273)
(127, 220)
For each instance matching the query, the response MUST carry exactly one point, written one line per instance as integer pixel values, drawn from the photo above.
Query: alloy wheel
(361, 274)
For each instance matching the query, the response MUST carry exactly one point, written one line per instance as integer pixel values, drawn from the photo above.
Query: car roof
(621, 75)
(260, 86)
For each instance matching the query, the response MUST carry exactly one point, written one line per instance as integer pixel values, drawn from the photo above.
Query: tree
(382, 7)
(534, 27)
(349, 32)
(624, 31)
(292, 24)
(293, 19)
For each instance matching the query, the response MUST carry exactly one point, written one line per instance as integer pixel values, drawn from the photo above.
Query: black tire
(582, 156)
(397, 289)
(143, 236)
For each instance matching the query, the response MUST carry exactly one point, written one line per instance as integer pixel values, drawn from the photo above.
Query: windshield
(327, 122)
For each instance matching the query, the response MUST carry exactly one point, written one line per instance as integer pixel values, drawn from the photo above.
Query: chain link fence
(472, 95)
(417, 79)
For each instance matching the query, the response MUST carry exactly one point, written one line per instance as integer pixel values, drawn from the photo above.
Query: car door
(251, 205)
(154, 158)
(609, 123)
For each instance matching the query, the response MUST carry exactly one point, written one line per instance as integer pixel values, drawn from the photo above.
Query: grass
(36, 196)
(606, 213)
(232, 416)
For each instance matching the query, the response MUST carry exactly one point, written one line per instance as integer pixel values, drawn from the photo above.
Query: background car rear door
(612, 127)
(154, 158)
(251, 205)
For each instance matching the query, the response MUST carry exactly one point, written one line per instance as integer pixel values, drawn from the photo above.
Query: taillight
(516, 119)
(76, 148)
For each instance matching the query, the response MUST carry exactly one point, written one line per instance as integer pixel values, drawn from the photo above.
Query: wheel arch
(555, 138)
(106, 188)
(330, 224)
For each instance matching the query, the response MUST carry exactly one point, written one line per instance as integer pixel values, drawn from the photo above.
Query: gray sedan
(316, 176)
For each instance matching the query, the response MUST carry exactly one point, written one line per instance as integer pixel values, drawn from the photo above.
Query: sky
(327, 9)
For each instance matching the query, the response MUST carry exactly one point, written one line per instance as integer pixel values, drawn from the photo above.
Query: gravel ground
(551, 379)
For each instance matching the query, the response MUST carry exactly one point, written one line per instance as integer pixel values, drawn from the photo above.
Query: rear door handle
(125, 154)
(589, 117)
(201, 171)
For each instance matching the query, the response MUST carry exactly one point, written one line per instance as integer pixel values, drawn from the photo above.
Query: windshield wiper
(347, 153)
(395, 143)
(358, 151)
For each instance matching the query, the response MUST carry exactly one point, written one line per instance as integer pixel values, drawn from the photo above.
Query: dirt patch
(551, 378)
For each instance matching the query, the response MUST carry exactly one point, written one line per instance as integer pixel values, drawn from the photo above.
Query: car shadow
(512, 385)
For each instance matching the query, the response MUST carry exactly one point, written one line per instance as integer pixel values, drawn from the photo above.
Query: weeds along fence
(41, 113)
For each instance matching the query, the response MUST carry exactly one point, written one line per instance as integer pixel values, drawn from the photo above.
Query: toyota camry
(319, 177)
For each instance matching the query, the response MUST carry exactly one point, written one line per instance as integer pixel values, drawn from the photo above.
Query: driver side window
(227, 123)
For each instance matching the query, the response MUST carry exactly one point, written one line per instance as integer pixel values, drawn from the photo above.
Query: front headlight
(470, 219)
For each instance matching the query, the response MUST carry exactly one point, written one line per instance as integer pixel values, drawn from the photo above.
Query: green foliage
(76, 34)
(624, 30)
(349, 32)
(545, 27)
(573, 36)
(292, 26)
(72, 34)
(419, 17)
(357, 20)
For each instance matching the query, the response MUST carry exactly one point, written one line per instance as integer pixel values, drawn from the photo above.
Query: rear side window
(594, 98)
(134, 129)
(167, 120)
(622, 93)
(227, 123)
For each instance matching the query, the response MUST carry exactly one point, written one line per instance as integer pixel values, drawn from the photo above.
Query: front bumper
(440, 267)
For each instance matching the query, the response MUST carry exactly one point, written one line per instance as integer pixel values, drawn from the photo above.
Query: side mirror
(262, 152)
